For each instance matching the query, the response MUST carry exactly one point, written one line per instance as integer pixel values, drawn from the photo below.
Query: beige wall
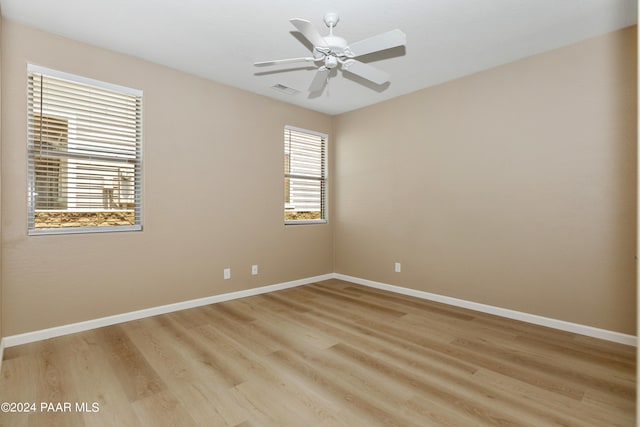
(513, 187)
(212, 196)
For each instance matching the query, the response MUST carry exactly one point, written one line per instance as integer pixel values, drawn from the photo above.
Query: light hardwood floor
(327, 354)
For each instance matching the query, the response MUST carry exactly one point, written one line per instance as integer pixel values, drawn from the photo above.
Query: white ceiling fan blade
(365, 71)
(309, 31)
(284, 61)
(319, 80)
(382, 41)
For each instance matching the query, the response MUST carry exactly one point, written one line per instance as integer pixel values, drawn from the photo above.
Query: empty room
(302, 213)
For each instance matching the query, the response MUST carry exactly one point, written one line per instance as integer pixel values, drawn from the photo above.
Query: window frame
(32, 157)
(324, 187)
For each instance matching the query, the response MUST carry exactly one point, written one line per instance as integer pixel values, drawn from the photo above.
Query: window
(84, 145)
(305, 179)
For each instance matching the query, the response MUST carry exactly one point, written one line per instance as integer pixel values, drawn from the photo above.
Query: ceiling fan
(332, 51)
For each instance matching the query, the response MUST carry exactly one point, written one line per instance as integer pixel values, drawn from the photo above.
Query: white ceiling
(220, 40)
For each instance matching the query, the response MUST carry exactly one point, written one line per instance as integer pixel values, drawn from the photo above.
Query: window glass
(84, 145)
(304, 176)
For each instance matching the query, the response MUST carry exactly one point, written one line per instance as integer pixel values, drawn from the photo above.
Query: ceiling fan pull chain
(328, 86)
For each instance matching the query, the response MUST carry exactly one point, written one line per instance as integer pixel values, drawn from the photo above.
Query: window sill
(306, 222)
(84, 230)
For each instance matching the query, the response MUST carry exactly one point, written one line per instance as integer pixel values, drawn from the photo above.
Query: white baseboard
(498, 311)
(57, 331)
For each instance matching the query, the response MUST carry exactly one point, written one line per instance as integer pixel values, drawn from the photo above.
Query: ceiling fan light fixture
(330, 61)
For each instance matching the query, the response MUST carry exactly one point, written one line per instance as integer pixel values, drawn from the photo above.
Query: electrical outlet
(398, 267)
(227, 273)
(254, 270)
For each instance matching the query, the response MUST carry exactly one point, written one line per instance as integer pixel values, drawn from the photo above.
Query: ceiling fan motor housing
(336, 44)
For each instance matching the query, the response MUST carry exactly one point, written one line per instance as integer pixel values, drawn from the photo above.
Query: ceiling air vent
(284, 89)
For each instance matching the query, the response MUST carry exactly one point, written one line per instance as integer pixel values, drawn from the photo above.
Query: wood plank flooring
(327, 354)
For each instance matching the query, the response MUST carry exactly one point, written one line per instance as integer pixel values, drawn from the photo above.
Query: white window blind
(305, 178)
(84, 146)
